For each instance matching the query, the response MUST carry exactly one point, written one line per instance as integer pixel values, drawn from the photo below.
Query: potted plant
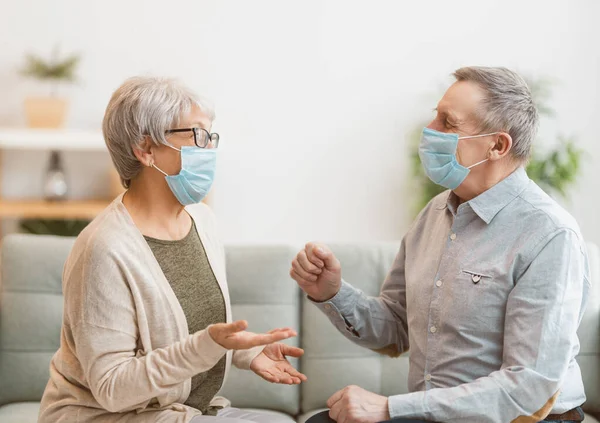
(49, 111)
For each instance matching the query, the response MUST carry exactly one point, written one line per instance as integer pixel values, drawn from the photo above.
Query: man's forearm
(370, 322)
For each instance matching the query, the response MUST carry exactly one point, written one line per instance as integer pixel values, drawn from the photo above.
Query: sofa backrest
(332, 362)
(263, 294)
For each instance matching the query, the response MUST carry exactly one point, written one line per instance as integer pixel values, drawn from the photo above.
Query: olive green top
(186, 267)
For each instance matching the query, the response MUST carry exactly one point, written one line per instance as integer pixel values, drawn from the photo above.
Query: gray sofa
(261, 292)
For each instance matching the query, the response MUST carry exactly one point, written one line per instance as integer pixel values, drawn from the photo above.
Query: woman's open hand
(233, 336)
(273, 366)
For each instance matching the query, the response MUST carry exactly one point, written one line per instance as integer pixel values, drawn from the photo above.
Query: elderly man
(490, 282)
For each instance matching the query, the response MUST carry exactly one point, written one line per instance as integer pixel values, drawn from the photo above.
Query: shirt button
(433, 329)
(438, 283)
(327, 306)
(453, 237)
(427, 378)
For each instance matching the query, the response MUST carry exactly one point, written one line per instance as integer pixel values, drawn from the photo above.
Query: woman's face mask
(194, 180)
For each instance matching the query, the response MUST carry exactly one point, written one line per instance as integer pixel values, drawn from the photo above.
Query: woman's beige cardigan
(125, 352)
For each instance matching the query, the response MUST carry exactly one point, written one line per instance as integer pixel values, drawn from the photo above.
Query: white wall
(314, 98)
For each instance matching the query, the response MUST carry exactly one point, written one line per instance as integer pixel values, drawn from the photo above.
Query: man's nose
(435, 125)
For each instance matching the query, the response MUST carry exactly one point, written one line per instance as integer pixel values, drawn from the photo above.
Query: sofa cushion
(276, 415)
(20, 412)
(30, 313)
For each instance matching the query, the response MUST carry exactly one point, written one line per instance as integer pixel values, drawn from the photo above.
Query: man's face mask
(437, 151)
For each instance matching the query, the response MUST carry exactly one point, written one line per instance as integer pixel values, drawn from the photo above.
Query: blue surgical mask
(438, 156)
(193, 182)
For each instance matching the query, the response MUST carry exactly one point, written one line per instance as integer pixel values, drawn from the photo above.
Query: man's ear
(502, 146)
(143, 152)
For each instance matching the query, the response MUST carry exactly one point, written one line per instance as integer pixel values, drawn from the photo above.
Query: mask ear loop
(478, 163)
(155, 167)
(161, 171)
(479, 136)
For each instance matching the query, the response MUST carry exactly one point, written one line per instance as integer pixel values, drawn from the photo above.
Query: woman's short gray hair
(508, 106)
(145, 106)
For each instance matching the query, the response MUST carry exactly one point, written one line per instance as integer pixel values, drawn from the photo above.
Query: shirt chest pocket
(476, 277)
(483, 299)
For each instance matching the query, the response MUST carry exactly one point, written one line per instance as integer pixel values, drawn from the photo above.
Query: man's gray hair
(145, 106)
(508, 106)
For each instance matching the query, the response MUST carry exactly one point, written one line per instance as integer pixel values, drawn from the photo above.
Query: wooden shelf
(72, 209)
(51, 139)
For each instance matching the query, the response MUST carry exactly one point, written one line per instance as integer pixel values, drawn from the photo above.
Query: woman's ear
(502, 146)
(143, 152)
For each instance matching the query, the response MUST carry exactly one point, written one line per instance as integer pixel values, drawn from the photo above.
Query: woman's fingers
(269, 338)
(283, 376)
(292, 351)
(276, 376)
(249, 340)
(233, 336)
(268, 376)
(296, 374)
(281, 330)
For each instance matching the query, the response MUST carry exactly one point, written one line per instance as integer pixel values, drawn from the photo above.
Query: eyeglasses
(202, 138)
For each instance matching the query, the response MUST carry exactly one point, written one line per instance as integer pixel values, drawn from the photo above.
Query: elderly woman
(147, 333)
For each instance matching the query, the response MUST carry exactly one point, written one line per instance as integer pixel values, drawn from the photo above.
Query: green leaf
(56, 70)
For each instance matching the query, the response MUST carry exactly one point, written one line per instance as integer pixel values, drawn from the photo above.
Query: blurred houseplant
(555, 171)
(49, 111)
(71, 227)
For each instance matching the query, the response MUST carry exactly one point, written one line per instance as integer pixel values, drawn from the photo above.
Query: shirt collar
(488, 204)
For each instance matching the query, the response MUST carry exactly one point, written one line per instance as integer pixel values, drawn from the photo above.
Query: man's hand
(355, 405)
(272, 365)
(233, 336)
(317, 272)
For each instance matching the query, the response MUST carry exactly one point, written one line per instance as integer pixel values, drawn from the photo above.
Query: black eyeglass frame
(211, 137)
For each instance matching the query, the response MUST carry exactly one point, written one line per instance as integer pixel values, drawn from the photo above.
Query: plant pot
(46, 112)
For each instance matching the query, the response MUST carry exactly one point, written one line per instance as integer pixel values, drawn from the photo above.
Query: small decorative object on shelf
(55, 184)
(49, 111)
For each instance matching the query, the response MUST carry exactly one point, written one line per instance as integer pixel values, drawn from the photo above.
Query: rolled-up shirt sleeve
(543, 312)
